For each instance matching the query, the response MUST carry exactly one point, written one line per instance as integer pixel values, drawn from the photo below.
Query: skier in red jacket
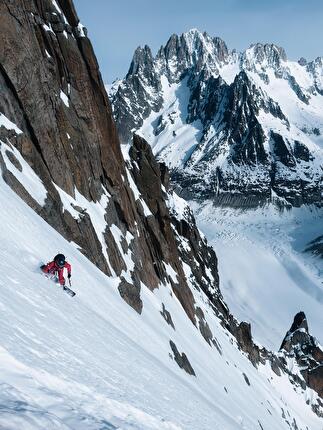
(57, 266)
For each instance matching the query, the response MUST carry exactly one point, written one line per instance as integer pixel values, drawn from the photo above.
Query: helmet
(60, 260)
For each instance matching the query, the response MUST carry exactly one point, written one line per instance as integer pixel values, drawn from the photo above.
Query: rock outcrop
(181, 359)
(304, 349)
(180, 241)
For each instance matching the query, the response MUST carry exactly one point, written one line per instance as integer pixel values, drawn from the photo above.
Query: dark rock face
(244, 338)
(246, 379)
(32, 82)
(204, 328)
(181, 359)
(52, 89)
(131, 294)
(191, 49)
(180, 241)
(301, 152)
(280, 150)
(272, 54)
(142, 83)
(148, 175)
(141, 92)
(314, 378)
(301, 346)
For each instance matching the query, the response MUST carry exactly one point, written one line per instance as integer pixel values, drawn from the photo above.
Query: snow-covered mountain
(238, 128)
(148, 341)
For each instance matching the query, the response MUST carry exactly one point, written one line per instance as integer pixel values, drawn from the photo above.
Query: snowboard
(54, 278)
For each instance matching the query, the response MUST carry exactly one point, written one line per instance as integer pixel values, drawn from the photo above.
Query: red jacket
(52, 268)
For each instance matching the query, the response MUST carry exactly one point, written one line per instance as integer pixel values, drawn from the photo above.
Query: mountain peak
(265, 55)
(142, 58)
(194, 32)
(248, 105)
(192, 49)
(299, 322)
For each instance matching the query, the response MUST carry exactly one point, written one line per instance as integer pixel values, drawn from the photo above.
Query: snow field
(92, 362)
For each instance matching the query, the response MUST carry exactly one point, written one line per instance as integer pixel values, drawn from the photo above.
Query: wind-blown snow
(177, 206)
(48, 27)
(81, 29)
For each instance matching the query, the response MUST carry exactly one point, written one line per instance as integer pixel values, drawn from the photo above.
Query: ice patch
(48, 28)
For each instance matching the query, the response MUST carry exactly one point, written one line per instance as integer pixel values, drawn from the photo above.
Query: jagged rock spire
(298, 333)
(306, 351)
(266, 55)
(142, 60)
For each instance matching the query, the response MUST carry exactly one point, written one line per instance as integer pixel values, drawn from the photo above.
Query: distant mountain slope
(240, 128)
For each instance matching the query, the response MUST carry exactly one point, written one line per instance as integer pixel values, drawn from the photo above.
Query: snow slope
(176, 98)
(265, 275)
(92, 362)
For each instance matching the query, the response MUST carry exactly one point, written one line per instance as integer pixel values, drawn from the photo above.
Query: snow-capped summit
(239, 128)
(264, 56)
(190, 50)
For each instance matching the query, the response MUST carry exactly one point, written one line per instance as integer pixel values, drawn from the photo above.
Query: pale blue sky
(117, 27)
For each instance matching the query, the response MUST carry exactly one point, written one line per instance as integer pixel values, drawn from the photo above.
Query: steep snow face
(175, 112)
(265, 274)
(92, 362)
(246, 124)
